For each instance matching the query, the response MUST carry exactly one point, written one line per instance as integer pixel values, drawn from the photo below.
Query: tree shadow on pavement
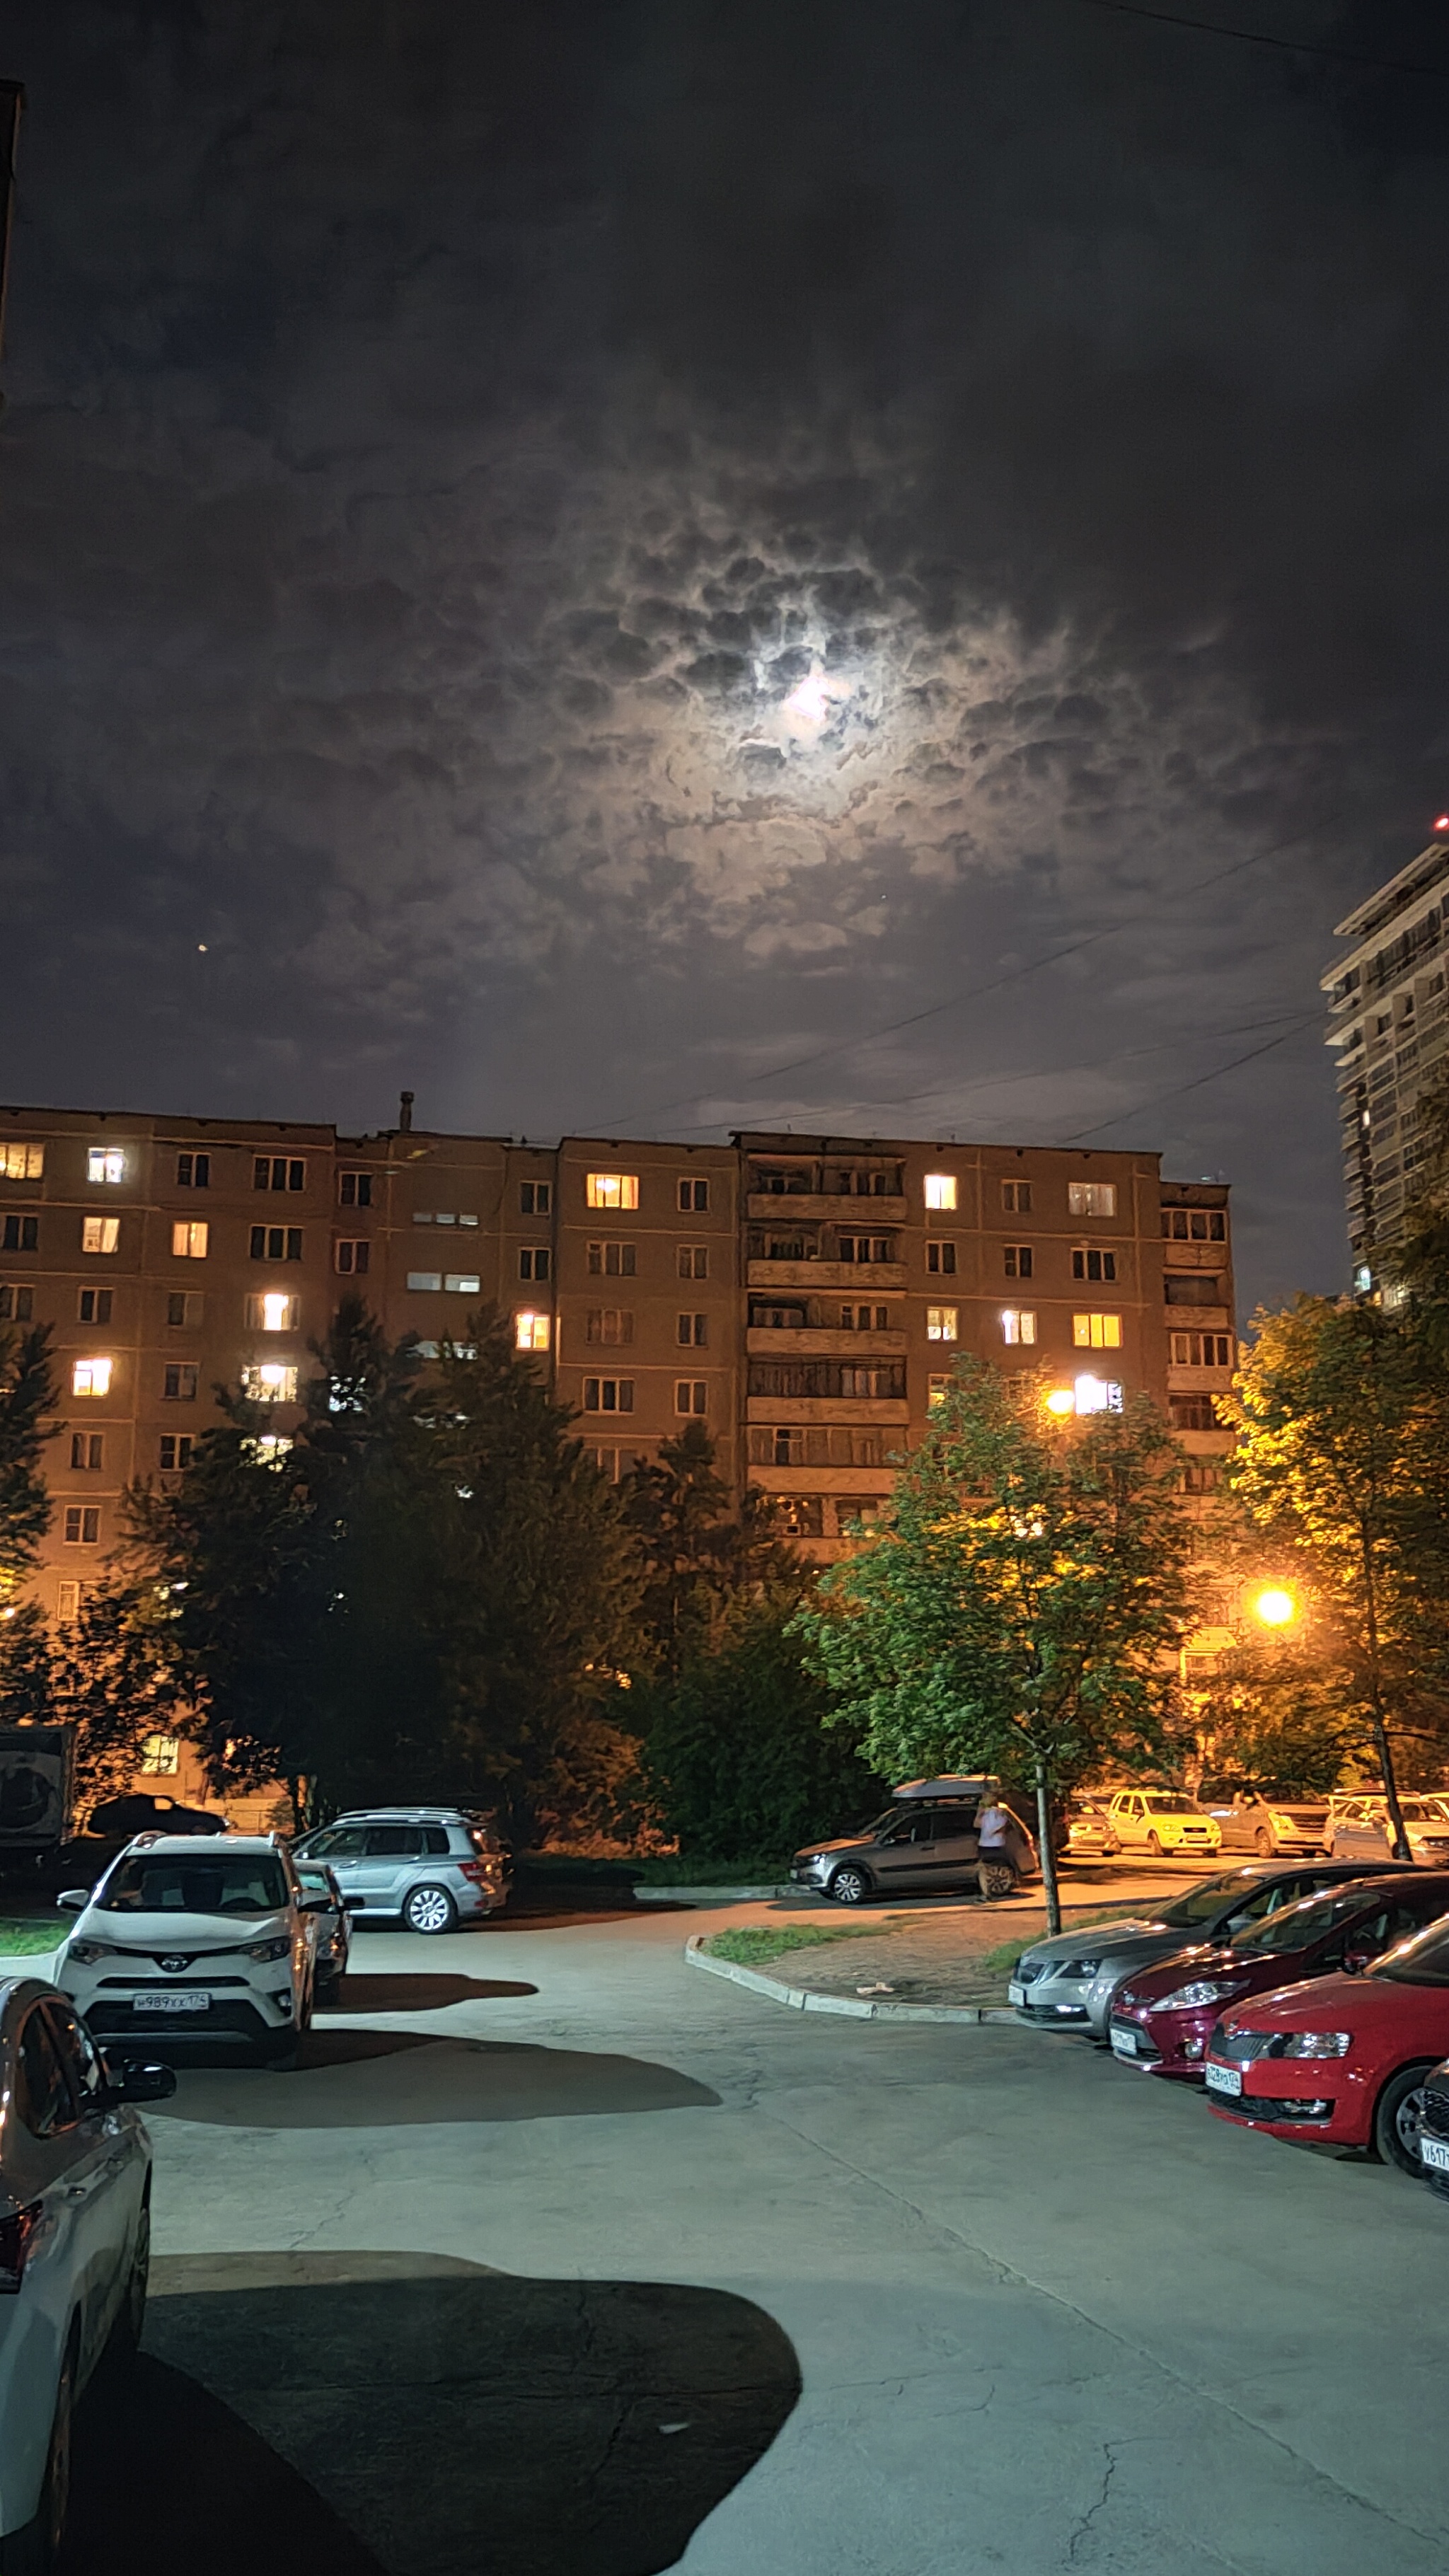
(383, 2079)
(421, 1993)
(471, 2423)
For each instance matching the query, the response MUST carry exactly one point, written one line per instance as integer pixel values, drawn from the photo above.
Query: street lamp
(1061, 1400)
(1275, 1608)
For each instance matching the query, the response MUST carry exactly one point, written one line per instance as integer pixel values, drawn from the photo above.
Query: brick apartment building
(803, 1296)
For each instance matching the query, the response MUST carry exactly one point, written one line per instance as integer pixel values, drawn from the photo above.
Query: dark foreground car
(1434, 2130)
(1345, 2061)
(1163, 2017)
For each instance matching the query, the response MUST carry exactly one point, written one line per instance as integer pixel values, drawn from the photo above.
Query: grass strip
(25, 1940)
(753, 1945)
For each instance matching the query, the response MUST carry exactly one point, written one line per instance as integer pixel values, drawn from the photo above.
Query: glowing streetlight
(1276, 1609)
(1061, 1400)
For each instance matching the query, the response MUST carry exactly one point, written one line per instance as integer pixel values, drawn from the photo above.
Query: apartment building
(802, 1296)
(1388, 1019)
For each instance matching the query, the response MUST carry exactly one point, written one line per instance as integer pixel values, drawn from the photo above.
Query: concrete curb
(852, 2007)
(708, 1895)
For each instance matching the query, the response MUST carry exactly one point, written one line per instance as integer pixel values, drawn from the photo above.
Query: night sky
(592, 560)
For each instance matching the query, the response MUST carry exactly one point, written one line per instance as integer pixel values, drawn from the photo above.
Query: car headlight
(1204, 1990)
(1318, 2043)
(1283, 1824)
(86, 1953)
(278, 1949)
(1079, 1968)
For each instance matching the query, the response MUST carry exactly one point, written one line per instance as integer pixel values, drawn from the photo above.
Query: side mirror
(133, 2082)
(1356, 1961)
(73, 1900)
(314, 1900)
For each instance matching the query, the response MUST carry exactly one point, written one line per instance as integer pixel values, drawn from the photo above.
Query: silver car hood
(1107, 1939)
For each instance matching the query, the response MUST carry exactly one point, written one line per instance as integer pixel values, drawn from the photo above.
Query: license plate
(1224, 2079)
(1124, 2043)
(1016, 1994)
(1434, 2153)
(187, 1999)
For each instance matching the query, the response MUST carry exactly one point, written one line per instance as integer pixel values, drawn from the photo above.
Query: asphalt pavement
(556, 2257)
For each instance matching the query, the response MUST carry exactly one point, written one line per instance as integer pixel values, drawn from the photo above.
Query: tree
(1023, 1601)
(1343, 1455)
(696, 1558)
(28, 1398)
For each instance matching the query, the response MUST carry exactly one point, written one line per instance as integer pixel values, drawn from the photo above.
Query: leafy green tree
(697, 1556)
(1343, 1457)
(1023, 1601)
(28, 1398)
(1278, 1719)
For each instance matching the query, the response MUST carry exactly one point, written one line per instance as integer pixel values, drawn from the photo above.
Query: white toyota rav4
(190, 1938)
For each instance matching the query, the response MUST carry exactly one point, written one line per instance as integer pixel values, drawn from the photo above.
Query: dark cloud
(585, 553)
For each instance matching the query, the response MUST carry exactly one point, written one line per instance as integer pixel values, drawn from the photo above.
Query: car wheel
(1397, 2120)
(430, 1909)
(1154, 1845)
(1000, 1878)
(1263, 1843)
(35, 2551)
(849, 1887)
(131, 2315)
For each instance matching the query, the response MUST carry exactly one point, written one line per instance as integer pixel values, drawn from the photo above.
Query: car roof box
(949, 1784)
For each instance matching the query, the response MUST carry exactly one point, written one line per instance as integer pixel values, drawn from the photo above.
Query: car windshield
(316, 1878)
(1204, 1903)
(1422, 1961)
(1172, 1802)
(1422, 1811)
(235, 1883)
(1298, 1926)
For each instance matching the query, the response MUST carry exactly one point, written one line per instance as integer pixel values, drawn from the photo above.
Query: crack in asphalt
(1110, 2450)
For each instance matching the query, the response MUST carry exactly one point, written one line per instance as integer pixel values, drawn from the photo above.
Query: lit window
(1097, 1395)
(67, 1603)
(105, 1163)
(693, 1198)
(161, 1754)
(100, 1233)
(83, 1525)
(188, 1242)
(426, 1283)
(193, 1171)
(178, 1385)
(1091, 1198)
(535, 1261)
(1018, 1324)
(531, 1330)
(90, 1377)
(940, 1189)
(462, 1283)
(21, 1162)
(689, 1395)
(937, 1390)
(941, 1323)
(353, 1259)
(1097, 1332)
(175, 1452)
(270, 1449)
(608, 1395)
(941, 1257)
(535, 1198)
(273, 1312)
(269, 1383)
(613, 1189)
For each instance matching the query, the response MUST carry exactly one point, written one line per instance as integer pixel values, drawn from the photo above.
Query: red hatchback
(1163, 2016)
(1343, 2060)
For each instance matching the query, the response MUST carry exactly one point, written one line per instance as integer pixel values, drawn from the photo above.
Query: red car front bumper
(1324, 2098)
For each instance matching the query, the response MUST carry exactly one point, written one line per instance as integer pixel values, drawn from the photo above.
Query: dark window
(342, 1842)
(278, 1172)
(17, 1305)
(1090, 1264)
(941, 1257)
(867, 1247)
(535, 1198)
(1016, 1197)
(42, 2095)
(694, 1261)
(1192, 1288)
(77, 2053)
(276, 1243)
(394, 1842)
(175, 1452)
(354, 1189)
(608, 1395)
(804, 1379)
(1192, 1413)
(535, 1261)
(87, 1450)
(354, 1259)
(611, 1260)
(193, 1171)
(82, 1524)
(435, 1838)
(1017, 1260)
(693, 1198)
(22, 1234)
(180, 1381)
(1195, 1225)
(609, 1324)
(690, 1395)
(691, 1330)
(176, 1306)
(95, 1305)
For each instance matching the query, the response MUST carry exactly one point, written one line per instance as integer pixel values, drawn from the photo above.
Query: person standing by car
(1001, 1838)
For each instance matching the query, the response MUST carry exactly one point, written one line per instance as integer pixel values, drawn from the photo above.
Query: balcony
(821, 1275)
(837, 1207)
(811, 1341)
(827, 1409)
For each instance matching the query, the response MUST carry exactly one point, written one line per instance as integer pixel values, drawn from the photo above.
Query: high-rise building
(1388, 1018)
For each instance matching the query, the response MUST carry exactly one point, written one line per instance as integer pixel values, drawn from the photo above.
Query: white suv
(193, 1938)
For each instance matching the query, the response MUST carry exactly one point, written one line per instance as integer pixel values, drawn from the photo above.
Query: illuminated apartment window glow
(1097, 1332)
(1018, 1324)
(270, 1449)
(268, 1382)
(941, 1323)
(189, 1242)
(1097, 1395)
(613, 1189)
(279, 1313)
(940, 1189)
(937, 1390)
(530, 1330)
(100, 1233)
(161, 1755)
(1091, 1198)
(21, 1162)
(105, 1163)
(90, 1377)
(462, 1283)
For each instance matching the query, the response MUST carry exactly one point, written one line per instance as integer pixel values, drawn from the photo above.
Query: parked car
(1434, 2129)
(925, 1839)
(75, 2239)
(138, 1812)
(1160, 1821)
(1071, 1978)
(1360, 1829)
(334, 1932)
(1163, 2018)
(1088, 1830)
(1346, 2061)
(1248, 1822)
(191, 1940)
(431, 1867)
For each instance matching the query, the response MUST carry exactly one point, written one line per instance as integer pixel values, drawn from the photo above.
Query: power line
(1274, 44)
(1157, 1102)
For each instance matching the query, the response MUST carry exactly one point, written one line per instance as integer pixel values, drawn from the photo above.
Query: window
(189, 1242)
(278, 1172)
(1091, 1198)
(882, 1378)
(608, 1395)
(611, 1261)
(866, 1247)
(535, 1198)
(689, 1395)
(612, 1189)
(105, 1163)
(1192, 1413)
(940, 1188)
(67, 1603)
(1018, 1324)
(273, 1312)
(937, 1389)
(1017, 1260)
(93, 1306)
(1097, 1395)
(461, 1283)
(691, 1330)
(271, 1447)
(161, 1755)
(276, 1243)
(530, 1330)
(1193, 1288)
(941, 1323)
(82, 1524)
(17, 1305)
(694, 1198)
(535, 1261)
(100, 1233)
(90, 1377)
(862, 1319)
(184, 1306)
(1016, 1198)
(354, 1258)
(193, 1171)
(1201, 1476)
(178, 1385)
(426, 1283)
(21, 1162)
(354, 1189)
(1089, 1264)
(1097, 1332)
(1201, 1350)
(1195, 1225)
(608, 1324)
(941, 1257)
(87, 1451)
(612, 1463)
(175, 1452)
(800, 1515)
(268, 1383)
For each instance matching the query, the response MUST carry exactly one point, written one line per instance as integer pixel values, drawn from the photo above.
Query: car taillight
(16, 2232)
(473, 1869)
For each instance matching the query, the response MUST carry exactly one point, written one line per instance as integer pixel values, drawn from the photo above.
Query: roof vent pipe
(405, 1114)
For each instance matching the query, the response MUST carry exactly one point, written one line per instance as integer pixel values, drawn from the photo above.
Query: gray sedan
(1069, 1980)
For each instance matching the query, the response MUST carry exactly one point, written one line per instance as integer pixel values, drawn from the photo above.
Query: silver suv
(431, 1867)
